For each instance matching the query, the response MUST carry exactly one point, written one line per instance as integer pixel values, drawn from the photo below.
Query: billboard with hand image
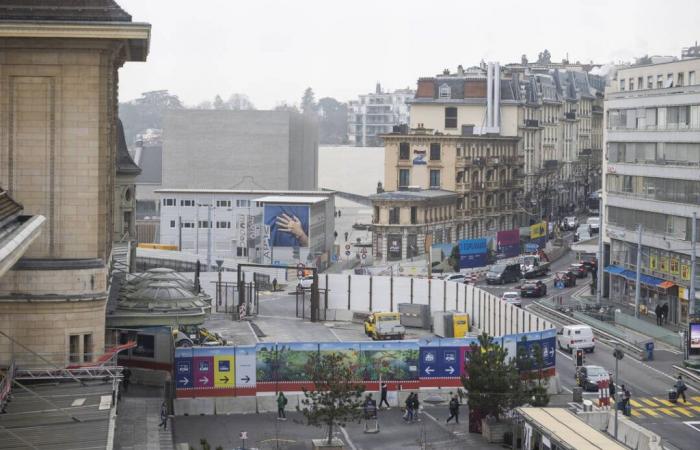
(288, 224)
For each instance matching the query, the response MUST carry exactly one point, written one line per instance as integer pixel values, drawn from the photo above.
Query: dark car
(533, 289)
(579, 270)
(590, 265)
(588, 377)
(567, 277)
(503, 273)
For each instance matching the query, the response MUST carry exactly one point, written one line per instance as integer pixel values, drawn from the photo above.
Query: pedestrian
(281, 403)
(681, 388)
(408, 416)
(657, 311)
(454, 410)
(163, 417)
(611, 387)
(126, 373)
(664, 313)
(624, 403)
(274, 285)
(340, 213)
(383, 399)
(415, 407)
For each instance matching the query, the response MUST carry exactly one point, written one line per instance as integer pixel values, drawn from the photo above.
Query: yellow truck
(384, 325)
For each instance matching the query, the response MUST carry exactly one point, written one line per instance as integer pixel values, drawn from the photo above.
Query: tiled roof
(125, 165)
(63, 10)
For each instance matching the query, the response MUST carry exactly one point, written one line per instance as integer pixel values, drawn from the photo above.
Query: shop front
(653, 292)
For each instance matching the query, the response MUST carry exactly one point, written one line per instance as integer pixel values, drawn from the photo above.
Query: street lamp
(618, 354)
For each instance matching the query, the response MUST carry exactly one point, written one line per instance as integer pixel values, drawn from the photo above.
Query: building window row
(659, 81)
(663, 189)
(674, 226)
(664, 118)
(662, 153)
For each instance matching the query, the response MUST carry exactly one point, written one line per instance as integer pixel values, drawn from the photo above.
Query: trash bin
(649, 350)
(578, 394)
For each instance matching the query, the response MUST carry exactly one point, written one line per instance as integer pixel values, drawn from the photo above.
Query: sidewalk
(138, 416)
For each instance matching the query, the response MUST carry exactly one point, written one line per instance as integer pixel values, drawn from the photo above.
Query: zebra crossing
(645, 407)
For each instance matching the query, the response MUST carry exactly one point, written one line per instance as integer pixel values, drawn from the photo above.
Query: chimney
(378, 88)
(489, 95)
(497, 97)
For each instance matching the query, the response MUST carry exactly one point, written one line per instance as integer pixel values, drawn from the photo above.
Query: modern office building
(58, 161)
(372, 115)
(652, 179)
(280, 227)
(216, 149)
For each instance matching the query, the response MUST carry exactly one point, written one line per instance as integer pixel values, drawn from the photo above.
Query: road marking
(565, 355)
(668, 412)
(695, 408)
(636, 404)
(683, 411)
(649, 411)
(347, 437)
(663, 402)
(635, 413)
(649, 402)
(694, 425)
(336, 336)
(696, 398)
(567, 389)
(253, 331)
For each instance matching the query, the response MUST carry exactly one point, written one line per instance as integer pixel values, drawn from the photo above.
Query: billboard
(288, 225)
(694, 346)
(538, 233)
(393, 247)
(472, 253)
(508, 243)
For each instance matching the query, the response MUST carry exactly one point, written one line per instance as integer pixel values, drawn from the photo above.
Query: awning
(644, 279)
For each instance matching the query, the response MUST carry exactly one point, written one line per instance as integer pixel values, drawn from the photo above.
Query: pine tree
(308, 102)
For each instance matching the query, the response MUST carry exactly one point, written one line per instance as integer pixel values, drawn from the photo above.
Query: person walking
(664, 314)
(383, 398)
(126, 373)
(281, 403)
(454, 410)
(611, 387)
(681, 388)
(626, 396)
(163, 417)
(408, 417)
(415, 407)
(657, 311)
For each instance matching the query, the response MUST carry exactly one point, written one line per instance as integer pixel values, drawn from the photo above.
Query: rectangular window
(659, 81)
(435, 151)
(404, 151)
(414, 215)
(223, 224)
(394, 215)
(404, 178)
(203, 224)
(650, 82)
(188, 224)
(241, 251)
(223, 203)
(169, 202)
(622, 85)
(74, 348)
(87, 347)
(242, 203)
(186, 202)
(172, 224)
(145, 346)
(691, 78)
(640, 82)
(451, 117)
(434, 179)
(631, 84)
(680, 79)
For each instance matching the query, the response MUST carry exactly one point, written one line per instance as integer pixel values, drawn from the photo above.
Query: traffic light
(579, 358)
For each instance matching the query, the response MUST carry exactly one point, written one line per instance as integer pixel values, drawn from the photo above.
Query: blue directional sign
(429, 362)
(449, 361)
(183, 373)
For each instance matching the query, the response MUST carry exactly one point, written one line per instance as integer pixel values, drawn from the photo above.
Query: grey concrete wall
(239, 149)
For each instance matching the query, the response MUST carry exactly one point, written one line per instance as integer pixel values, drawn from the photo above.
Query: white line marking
(565, 355)
(347, 437)
(253, 331)
(567, 389)
(336, 336)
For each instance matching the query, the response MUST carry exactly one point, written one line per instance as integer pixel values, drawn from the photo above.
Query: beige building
(402, 221)
(58, 146)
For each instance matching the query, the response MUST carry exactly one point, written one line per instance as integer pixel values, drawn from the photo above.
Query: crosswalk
(645, 407)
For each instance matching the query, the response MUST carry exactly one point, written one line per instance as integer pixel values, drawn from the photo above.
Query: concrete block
(343, 315)
(596, 419)
(633, 435)
(236, 405)
(267, 403)
(194, 407)
(554, 385)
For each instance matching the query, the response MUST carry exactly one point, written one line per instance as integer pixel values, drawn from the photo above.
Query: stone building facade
(58, 146)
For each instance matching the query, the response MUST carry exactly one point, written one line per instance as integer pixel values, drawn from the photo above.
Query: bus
(593, 202)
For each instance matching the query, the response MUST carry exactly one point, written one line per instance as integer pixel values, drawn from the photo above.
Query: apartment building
(651, 168)
(374, 114)
(555, 112)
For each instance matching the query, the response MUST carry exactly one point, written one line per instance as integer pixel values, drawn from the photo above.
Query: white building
(269, 227)
(652, 178)
(375, 114)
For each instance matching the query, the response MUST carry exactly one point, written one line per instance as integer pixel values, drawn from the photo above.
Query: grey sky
(272, 50)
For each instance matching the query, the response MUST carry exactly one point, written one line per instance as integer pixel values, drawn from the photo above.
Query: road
(648, 381)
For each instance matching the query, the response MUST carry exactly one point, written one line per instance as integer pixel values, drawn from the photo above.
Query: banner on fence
(472, 253)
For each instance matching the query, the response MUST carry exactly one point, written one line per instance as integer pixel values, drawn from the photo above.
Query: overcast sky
(272, 50)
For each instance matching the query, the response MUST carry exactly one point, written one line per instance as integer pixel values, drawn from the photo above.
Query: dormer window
(445, 91)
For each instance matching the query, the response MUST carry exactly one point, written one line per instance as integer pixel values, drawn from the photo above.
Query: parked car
(594, 222)
(590, 264)
(456, 277)
(588, 377)
(533, 289)
(503, 273)
(572, 337)
(579, 269)
(305, 283)
(512, 298)
(567, 277)
(570, 223)
(583, 233)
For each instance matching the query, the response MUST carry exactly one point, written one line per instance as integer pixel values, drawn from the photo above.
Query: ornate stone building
(59, 67)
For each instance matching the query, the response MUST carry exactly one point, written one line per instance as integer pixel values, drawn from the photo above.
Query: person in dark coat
(664, 313)
(454, 409)
(657, 311)
(680, 388)
(383, 398)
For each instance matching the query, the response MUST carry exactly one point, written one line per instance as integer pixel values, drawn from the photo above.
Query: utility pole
(599, 272)
(179, 233)
(209, 249)
(637, 287)
(196, 234)
(693, 274)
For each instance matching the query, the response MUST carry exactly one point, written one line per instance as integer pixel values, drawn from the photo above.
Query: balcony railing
(570, 115)
(532, 123)
(478, 186)
(550, 164)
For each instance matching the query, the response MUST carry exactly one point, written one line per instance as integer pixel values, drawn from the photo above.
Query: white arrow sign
(428, 370)
(450, 370)
(184, 380)
(204, 380)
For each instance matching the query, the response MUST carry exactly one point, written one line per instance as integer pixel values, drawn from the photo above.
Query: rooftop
(44, 426)
(418, 195)
(63, 10)
(243, 191)
(291, 199)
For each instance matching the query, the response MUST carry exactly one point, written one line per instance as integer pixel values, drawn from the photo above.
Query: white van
(572, 337)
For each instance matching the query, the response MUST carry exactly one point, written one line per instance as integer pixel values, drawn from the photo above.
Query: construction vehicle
(534, 265)
(191, 335)
(384, 325)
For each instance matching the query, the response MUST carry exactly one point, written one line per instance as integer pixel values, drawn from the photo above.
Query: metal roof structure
(306, 199)
(421, 195)
(83, 420)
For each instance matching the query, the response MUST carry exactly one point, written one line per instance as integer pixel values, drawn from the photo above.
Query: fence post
(529, 322)
(430, 294)
(456, 296)
(444, 295)
(326, 296)
(411, 290)
(349, 283)
(391, 294)
(500, 317)
(370, 293)
(537, 323)
(465, 298)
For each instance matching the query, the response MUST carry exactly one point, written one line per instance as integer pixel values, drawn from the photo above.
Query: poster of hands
(289, 225)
